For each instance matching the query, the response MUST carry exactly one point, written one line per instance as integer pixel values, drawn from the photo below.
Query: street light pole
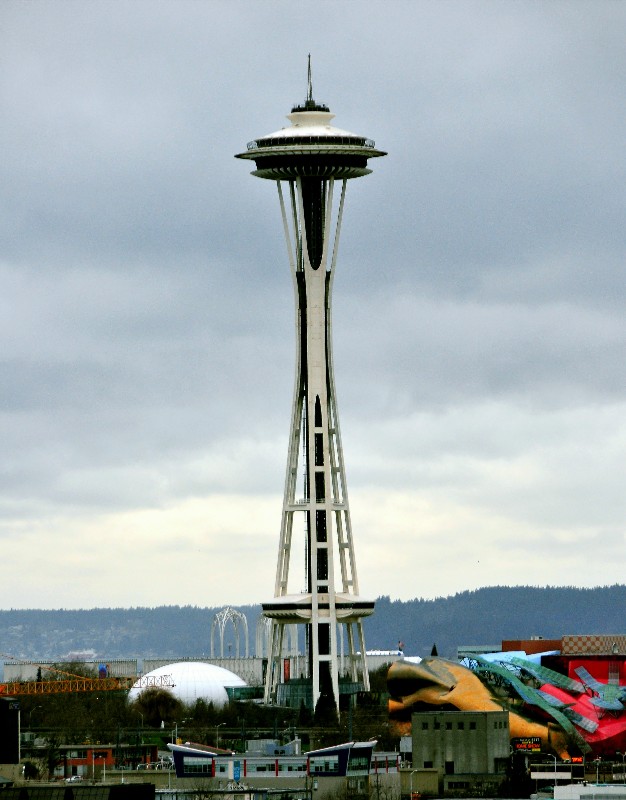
(554, 757)
(30, 716)
(217, 734)
(411, 784)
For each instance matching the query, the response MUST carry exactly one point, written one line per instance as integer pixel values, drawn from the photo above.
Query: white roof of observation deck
(310, 123)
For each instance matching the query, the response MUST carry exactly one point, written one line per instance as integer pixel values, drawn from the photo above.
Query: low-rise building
(468, 750)
(348, 770)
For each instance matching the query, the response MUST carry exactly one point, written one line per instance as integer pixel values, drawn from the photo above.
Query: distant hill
(489, 615)
(484, 616)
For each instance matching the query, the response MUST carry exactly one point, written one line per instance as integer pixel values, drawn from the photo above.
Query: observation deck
(310, 148)
(298, 608)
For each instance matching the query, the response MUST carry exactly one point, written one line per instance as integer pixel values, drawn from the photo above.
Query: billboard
(528, 744)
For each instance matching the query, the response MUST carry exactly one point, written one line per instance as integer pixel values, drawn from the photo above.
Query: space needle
(311, 162)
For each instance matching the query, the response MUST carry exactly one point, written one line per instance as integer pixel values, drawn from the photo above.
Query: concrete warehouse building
(460, 751)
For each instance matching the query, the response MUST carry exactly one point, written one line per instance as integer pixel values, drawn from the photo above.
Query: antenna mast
(309, 96)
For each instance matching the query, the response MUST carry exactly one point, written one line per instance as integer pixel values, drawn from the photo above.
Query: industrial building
(459, 751)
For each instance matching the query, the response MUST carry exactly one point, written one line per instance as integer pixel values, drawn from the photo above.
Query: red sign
(529, 744)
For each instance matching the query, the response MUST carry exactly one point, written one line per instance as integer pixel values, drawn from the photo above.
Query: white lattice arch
(263, 634)
(239, 621)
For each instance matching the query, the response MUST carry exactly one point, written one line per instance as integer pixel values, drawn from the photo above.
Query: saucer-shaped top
(311, 147)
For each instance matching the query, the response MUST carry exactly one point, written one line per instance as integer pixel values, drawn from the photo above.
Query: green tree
(157, 706)
(31, 771)
(52, 756)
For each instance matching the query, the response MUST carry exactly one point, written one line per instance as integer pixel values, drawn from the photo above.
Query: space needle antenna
(309, 96)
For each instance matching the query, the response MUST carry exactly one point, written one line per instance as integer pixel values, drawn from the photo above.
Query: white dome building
(195, 680)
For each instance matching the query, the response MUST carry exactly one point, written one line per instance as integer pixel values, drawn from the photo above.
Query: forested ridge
(489, 615)
(483, 616)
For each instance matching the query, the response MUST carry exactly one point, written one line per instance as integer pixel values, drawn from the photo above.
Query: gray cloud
(146, 317)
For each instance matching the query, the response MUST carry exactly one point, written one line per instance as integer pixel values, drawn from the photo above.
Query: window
(428, 764)
(424, 726)
(448, 726)
(460, 726)
(436, 725)
(472, 726)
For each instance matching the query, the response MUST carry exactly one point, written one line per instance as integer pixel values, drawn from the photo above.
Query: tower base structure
(336, 673)
(315, 161)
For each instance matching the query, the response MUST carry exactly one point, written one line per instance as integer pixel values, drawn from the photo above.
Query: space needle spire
(311, 162)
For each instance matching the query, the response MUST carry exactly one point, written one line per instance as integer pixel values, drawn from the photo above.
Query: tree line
(481, 616)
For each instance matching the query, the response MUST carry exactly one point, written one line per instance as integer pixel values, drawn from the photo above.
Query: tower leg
(320, 491)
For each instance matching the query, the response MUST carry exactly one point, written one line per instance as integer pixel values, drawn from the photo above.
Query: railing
(285, 141)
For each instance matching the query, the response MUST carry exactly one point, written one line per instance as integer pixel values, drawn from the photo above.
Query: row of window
(205, 766)
(460, 726)
(327, 765)
(358, 763)
(285, 141)
(499, 724)
(252, 768)
(202, 768)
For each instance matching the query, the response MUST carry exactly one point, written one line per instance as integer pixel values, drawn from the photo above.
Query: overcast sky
(146, 310)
